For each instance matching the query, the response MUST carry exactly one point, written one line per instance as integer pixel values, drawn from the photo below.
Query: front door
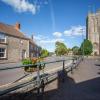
(95, 54)
(23, 54)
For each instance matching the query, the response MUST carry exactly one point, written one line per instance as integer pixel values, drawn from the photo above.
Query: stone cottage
(14, 45)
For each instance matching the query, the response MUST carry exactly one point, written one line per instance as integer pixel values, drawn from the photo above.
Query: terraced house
(14, 45)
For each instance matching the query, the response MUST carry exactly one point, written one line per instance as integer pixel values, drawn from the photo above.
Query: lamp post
(83, 44)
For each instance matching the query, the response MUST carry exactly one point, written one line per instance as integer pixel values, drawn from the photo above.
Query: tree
(61, 48)
(44, 53)
(75, 50)
(86, 47)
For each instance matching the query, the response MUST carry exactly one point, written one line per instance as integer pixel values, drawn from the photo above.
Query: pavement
(83, 84)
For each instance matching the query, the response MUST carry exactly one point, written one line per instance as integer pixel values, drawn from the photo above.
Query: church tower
(93, 31)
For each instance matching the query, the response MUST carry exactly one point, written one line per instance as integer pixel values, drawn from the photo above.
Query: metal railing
(40, 80)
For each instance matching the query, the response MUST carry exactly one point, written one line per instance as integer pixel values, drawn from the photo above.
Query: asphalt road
(9, 76)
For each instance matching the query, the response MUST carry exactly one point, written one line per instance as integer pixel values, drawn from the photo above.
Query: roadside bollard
(75, 62)
(82, 58)
(71, 70)
(63, 78)
(72, 66)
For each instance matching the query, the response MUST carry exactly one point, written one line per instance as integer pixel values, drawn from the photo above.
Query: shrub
(32, 61)
(26, 62)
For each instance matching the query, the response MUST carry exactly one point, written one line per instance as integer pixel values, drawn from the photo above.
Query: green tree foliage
(75, 50)
(61, 48)
(86, 47)
(44, 53)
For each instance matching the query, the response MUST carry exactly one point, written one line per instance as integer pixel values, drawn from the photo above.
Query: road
(9, 76)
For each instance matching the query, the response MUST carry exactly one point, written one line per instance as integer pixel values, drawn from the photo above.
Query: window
(2, 53)
(2, 38)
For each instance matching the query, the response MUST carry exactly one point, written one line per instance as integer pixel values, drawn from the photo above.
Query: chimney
(32, 37)
(17, 26)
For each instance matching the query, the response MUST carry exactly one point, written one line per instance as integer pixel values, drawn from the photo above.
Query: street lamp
(83, 43)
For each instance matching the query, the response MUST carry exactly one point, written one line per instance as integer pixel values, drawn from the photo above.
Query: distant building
(93, 31)
(70, 52)
(14, 45)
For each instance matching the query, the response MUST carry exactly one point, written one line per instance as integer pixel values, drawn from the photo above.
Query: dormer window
(2, 38)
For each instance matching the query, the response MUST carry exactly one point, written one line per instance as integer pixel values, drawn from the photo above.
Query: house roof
(32, 42)
(11, 30)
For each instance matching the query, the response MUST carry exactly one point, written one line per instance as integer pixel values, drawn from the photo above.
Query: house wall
(34, 50)
(14, 49)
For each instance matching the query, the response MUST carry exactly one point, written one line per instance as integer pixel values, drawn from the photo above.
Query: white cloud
(21, 5)
(57, 34)
(75, 31)
(51, 41)
(45, 40)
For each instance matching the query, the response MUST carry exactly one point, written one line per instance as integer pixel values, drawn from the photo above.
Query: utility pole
(83, 43)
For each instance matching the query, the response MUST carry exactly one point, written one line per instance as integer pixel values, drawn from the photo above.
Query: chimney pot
(17, 26)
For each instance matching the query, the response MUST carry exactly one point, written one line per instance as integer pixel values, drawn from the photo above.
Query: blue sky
(49, 20)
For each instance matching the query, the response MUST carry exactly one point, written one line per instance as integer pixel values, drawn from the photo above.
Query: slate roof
(11, 30)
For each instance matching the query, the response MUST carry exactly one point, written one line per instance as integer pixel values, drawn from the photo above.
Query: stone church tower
(93, 31)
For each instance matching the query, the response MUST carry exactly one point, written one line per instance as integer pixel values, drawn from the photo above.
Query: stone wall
(14, 49)
(93, 21)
